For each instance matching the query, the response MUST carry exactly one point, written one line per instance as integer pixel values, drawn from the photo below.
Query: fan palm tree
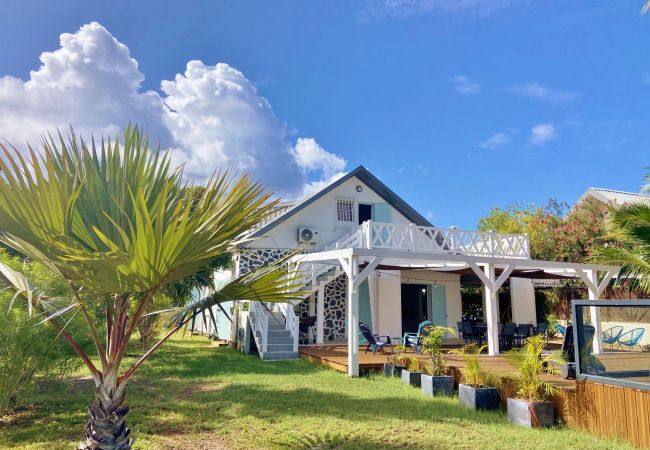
(113, 220)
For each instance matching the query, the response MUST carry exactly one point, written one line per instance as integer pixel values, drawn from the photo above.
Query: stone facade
(251, 259)
(335, 292)
(335, 298)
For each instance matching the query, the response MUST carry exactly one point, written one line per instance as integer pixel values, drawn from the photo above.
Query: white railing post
(452, 239)
(491, 244)
(265, 332)
(367, 233)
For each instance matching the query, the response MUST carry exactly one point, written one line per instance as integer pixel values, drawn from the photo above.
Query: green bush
(28, 348)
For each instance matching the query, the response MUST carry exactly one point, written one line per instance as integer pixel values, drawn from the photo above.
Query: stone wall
(251, 259)
(335, 299)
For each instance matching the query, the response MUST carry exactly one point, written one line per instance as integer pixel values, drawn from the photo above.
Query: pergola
(377, 247)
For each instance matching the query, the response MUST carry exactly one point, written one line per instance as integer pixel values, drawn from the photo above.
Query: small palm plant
(431, 344)
(530, 363)
(474, 373)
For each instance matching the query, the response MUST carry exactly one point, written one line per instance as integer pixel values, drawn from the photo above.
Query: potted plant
(532, 407)
(412, 373)
(478, 390)
(436, 379)
(395, 362)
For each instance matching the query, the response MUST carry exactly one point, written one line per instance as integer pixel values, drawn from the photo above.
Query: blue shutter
(382, 213)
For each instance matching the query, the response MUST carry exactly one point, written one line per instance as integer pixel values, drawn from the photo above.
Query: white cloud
(542, 133)
(495, 141)
(538, 91)
(212, 116)
(465, 86)
(402, 9)
(311, 156)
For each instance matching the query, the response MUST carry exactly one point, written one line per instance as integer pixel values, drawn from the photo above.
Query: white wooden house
(404, 270)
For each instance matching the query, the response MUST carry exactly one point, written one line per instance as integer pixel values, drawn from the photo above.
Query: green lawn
(191, 395)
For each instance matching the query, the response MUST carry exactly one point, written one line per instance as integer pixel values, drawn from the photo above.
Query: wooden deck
(336, 357)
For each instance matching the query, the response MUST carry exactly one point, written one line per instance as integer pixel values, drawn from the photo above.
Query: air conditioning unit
(308, 235)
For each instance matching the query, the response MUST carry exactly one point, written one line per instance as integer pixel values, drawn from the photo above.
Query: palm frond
(270, 283)
(116, 213)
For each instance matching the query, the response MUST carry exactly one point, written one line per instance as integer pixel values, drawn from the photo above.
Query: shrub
(413, 364)
(27, 347)
(431, 344)
(474, 374)
(530, 364)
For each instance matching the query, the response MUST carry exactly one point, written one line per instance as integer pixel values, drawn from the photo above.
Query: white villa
(373, 258)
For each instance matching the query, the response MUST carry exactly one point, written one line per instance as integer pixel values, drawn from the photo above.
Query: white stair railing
(260, 324)
(291, 322)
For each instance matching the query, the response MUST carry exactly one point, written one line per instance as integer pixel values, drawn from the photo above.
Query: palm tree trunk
(106, 429)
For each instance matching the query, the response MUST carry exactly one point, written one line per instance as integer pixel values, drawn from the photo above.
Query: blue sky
(459, 106)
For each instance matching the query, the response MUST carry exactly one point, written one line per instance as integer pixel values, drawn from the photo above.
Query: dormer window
(345, 210)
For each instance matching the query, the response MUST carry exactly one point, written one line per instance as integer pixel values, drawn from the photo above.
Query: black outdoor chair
(374, 341)
(522, 332)
(590, 363)
(469, 333)
(507, 336)
(542, 328)
(304, 325)
(459, 328)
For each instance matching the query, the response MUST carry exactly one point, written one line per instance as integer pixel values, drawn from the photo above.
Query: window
(345, 210)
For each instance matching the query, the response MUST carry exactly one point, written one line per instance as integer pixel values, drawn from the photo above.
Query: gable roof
(369, 180)
(613, 196)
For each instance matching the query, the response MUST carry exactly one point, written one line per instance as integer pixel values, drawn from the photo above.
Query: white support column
(372, 291)
(353, 318)
(594, 312)
(320, 314)
(490, 293)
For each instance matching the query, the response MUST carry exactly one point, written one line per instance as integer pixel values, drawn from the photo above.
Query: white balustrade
(444, 240)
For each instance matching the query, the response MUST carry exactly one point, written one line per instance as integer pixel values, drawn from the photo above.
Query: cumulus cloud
(542, 133)
(311, 156)
(465, 86)
(495, 141)
(402, 9)
(538, 91)
(211, 116)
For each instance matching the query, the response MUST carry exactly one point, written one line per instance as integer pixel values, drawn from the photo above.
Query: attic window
(345, 210)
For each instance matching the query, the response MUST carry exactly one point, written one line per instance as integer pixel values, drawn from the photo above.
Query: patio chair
(542, 328)
(374, 340)
(611, 335)
(472, 333)
(413, 339)
(631, 338)
(459, 328)
(560, 329)
(523, 331)
(507, 336)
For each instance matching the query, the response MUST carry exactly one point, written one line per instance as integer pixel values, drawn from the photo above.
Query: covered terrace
(492, 257)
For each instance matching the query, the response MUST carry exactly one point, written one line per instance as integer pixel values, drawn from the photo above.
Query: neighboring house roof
(369, 180)
(613, 196)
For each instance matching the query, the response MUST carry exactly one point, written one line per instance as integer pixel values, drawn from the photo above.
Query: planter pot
(522, 413)
(412, 378)
(391, 370)
(437, 385)
(478, 398)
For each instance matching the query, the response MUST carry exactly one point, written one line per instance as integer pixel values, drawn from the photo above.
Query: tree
(629, 226)
(114, 223)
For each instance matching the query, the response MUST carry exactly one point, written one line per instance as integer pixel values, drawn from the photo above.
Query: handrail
(291, 322)
(259, 323)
